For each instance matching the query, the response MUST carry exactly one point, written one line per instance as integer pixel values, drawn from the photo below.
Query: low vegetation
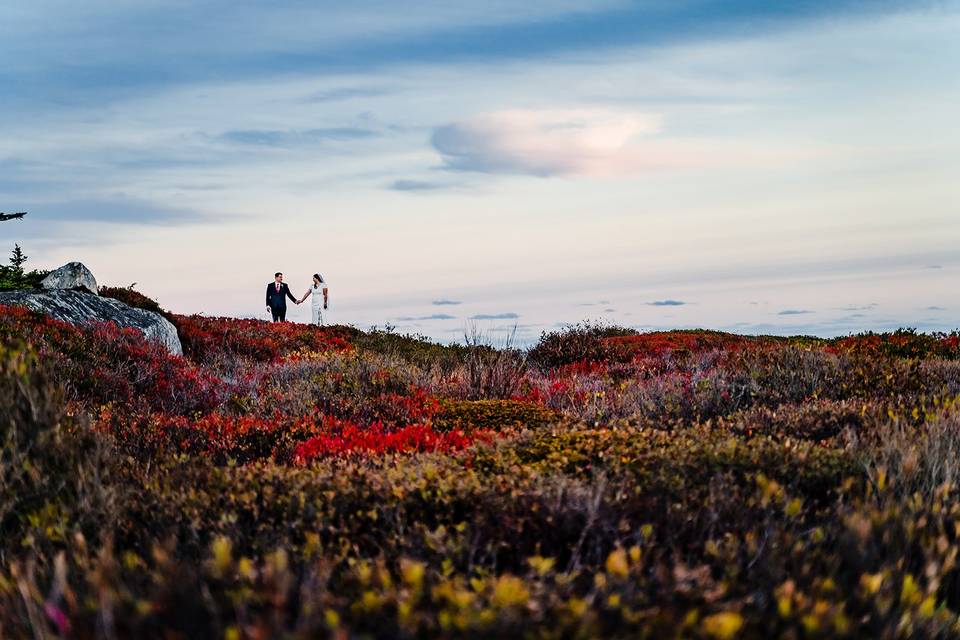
(283, 480)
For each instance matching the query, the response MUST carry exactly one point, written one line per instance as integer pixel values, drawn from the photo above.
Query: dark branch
(11, 216)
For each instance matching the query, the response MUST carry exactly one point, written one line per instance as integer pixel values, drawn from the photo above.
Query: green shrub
(582, 342)
(14, 276)
(13, 280)
(415, 350)
(493, 415)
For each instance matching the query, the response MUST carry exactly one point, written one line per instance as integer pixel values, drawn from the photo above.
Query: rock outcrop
(78, 307)
(73, 275)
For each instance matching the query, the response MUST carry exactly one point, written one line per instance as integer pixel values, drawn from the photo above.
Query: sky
(504, 167)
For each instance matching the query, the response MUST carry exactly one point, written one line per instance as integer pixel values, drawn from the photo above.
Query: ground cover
(328, 482)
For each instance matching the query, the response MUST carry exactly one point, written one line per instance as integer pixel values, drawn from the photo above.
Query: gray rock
(78, 307)
(73, 275)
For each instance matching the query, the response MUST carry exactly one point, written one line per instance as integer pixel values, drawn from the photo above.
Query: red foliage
(580, 368)
(658, 342)
(251, 438)
(350, 439)
(394, 408)
(204, 339)
(902, 343)
(100, 363)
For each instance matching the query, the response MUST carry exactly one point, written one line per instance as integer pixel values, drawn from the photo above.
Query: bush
(491, 372)
(14, 276)
(298, 482)
(16, 279)
(100, 363)
(132, 297)
(817, 420)
(348, 386)
(492, 415)
(414, 350)
(205, 340)
(53, 468)
(903, 343)
(584, 342)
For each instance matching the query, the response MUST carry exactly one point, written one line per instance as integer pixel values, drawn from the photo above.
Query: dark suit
(277, 300)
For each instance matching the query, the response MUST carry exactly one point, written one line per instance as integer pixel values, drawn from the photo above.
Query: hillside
(287, 480)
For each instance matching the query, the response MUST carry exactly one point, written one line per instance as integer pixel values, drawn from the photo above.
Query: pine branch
(11, 216)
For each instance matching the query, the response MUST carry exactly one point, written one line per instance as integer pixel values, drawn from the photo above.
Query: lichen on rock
(73, 275)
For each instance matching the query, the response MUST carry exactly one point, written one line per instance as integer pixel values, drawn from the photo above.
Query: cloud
(591, 304)
(69, 48)
(495, 316)
(794, 312)
(292, 137)
(666, 303)
(436, 316)
(935, 266)
(344, 93)
(859, 307)
(934, 308)
(415, 185)
(444, 302)
(549, 142)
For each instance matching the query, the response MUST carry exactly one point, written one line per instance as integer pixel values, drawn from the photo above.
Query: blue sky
(750, 166)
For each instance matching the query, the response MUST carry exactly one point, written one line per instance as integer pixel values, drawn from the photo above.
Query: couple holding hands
(278, 292)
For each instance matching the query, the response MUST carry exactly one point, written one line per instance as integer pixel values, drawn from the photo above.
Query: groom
(277, 294)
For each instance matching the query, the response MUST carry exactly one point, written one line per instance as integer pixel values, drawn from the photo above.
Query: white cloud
(546, 142)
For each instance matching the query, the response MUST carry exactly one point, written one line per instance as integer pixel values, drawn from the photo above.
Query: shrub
(903, 343)
(100, 363)
(300, 482)
(346, 439)
(132, 297)
(362, 389)
(491, 372)
(15, 277)
(690, 341)
(492, 415)
(578, 343)
(816, 420)
(413, 350)
(53, 468)
(207, 339)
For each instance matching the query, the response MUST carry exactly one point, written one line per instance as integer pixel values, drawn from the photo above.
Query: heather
(294, 481)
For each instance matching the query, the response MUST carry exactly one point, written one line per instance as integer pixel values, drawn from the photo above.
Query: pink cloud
(548, 142)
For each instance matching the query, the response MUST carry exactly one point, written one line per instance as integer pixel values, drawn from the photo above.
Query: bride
(318, 302)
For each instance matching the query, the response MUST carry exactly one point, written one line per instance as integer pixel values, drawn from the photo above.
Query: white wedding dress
(316, 303)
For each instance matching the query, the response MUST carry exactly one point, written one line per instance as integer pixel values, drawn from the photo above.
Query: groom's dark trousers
(277, 300)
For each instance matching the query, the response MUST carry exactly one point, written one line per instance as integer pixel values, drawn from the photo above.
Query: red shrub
(350, 439)
(580, 368)
(658, 342)
(903, 343)
(101, 363)
(205, 339)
